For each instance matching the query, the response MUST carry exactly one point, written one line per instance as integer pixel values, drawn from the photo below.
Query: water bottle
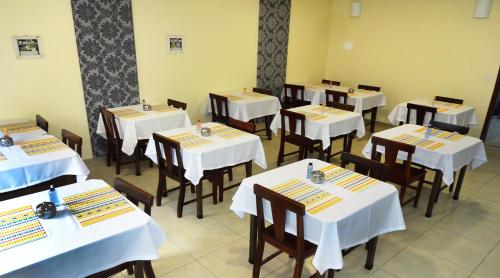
(428, 132)
(309, 170)
(53, 197)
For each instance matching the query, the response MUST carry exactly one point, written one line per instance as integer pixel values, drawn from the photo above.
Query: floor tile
(490, 267)
(482, 208)
(171, 257)
(489, 192)
(191, 270)
(472, 227)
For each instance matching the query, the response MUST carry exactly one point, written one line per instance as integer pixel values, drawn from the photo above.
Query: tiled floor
(462, 239)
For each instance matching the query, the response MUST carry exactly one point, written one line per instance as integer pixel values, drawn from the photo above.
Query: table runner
(189, 140)
(127, 113)
(451, 136)
(19, 127)
(162, 108)
(347, 179)
(418, 141)
(311, 116)
(226, 131)
(19, 226)
(42, 146)
(330, 110)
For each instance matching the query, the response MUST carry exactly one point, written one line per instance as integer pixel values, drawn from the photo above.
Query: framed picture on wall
(27, 47)
(175, 44)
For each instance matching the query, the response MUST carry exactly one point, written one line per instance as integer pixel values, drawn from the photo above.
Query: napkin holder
(46, 210)
(350, 90)
(205, 132)
(6, 141)
(318, 177)
(146, 107)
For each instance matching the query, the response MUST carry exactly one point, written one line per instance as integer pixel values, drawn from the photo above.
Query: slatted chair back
(279, 206)
(170, 148)
(369, 88)
(177, 104)
(391, 150)
(421, 111)
(449, 99)
(243, 126)
(330, 82)
(42, 123)
(110, 126)
(293, 119)
(220, 108)
(262, 91)
(365, 166)
(294, 95)
(135, 194)
(342, 106)
(72, 140)
(450, 127)
(335, 97)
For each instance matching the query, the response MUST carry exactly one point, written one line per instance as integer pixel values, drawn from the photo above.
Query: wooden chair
(166, 168)
(295, 246)
(262, 91)
(136, 196)
(42, 123)
(114, 144)
(305, 144)
(294, 96)
(450, 127)
(176, 104)
(72, 140)
(369, 88)
(220, 108)
(267, 119)
(243, 126)
(449, 99)
(399, 173)
(373, 111)
(421, 111)
(330, 82)
(365, 166)
(335, 96)
(347, 138)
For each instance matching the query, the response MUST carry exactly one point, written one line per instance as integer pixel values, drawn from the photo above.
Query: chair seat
(289, 244)
(397, 174)
(297, 140)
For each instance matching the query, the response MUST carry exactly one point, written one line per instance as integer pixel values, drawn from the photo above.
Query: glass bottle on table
(198, 126)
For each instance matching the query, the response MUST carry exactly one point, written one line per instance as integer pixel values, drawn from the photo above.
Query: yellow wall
(418, 48)
(220, 49)
(308, 40)
(50, 86)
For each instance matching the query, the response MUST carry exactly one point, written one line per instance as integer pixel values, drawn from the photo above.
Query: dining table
(95, 228)
(444, 152)
(20, 129)
(346, 210)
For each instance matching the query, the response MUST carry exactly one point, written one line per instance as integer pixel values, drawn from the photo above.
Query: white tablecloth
(70, 250)
(355, 220)
(20, 170)
(248, 107)
(219, 153)
(323, 129)
(132, 129)
(449, 158)
(21, 135)
(464, 115)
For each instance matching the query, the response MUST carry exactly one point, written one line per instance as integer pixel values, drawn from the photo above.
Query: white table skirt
(20, 136)
(70, 250)
(217, 154)
(449, 158)
(463, 116)
(333, 125)
(248, 108)
(133, 129)
(20, 170)
(355, 220)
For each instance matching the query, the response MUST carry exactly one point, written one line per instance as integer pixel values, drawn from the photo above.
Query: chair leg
(302, 153)
(402, 194)
(130, 268)
(108, 155)
(281, 153)
(193, 190)
(329, 152)
(267, 120)
(199, 200)
(180, 201)
(258, 258)
(137, 160)
(148, 268)
(321, 153)
(118, 161)
(159, 191)
(299, 265)
(459, 182)
(230, 174)
(419, 191)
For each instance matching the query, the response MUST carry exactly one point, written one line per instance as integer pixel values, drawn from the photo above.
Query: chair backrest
(365, 166)
(72, 140)
(369, 87)
(335, 96)
(279, 205)
(170, 148)
(449, 99)
(342, 106)
(110, 126)
(450, 127)
(391, 150)
(293, 119)
(263, 91)
(135, 194)
(42, 123)
(220, 108)
(330, 82)
(294, 95)
(176, 104)
(420, 110)
(244, 126)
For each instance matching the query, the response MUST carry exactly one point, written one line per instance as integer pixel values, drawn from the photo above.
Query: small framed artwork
(175, 44)
(27, 47)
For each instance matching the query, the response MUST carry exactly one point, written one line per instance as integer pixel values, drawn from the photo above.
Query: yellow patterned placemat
(97, 205)
(19, 226)
(127, 113)
(442, 109)
(311, 116)
(163, 108)
(234, 98)
(255, 95)
(314, 199)
(448, 104)
(450, 136)
(347, 179)
(42, 146)
(330, 110)
(19, 127)
(189, 140)
(418, 141)
(226, 131)
(2, 156)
